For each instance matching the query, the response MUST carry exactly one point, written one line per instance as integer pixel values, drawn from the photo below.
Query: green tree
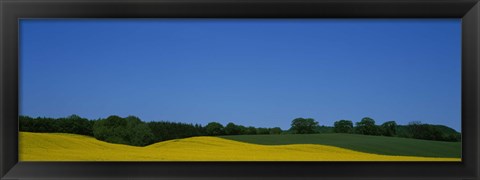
(78, 125)
(139, 133)
(72, 124)
(232, 129)
(415, 129)
(303, 125)
(261, 130)
(324, 129)
(367, 127)
(343, 126)
(164, 130)
(389, 128)
(130, 130)
(214, 129)
(424, 131)
(251, 130)
(26, 124)
(275, 130)
(242, 129)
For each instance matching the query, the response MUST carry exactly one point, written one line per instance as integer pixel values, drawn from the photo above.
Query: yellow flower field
(70, 147)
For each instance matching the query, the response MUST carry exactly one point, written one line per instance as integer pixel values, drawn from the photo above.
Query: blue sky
(260, 73)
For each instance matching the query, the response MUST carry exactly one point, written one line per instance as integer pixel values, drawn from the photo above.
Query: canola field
(71, 147)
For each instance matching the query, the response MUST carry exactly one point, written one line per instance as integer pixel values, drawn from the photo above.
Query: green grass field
(362, 143)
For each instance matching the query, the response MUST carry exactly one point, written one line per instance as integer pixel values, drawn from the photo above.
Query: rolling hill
(362, 143)
(71, 147)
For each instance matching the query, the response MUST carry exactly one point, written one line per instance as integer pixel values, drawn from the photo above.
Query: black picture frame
(12, 10)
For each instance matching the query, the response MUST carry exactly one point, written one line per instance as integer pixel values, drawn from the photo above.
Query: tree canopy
(232, 129)
(389, 128)
(343, 126)
(367, 127)
(214, 129)
(130, 130)
(304, 125)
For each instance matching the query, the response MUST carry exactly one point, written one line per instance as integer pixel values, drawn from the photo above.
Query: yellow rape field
(70, 147)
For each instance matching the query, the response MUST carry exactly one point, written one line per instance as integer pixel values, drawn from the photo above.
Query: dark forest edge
(133, 131)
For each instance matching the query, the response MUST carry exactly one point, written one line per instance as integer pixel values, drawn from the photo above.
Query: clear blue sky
(261, 73)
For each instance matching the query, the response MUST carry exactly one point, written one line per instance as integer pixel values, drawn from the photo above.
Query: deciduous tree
(304, 125)
(343, 126)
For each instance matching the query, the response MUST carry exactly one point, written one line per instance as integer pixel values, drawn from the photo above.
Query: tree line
(133, 131)
(415, 129)
(367, 126)
(72, 124)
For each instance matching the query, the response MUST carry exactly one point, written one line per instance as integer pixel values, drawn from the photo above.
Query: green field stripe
(363, 143)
